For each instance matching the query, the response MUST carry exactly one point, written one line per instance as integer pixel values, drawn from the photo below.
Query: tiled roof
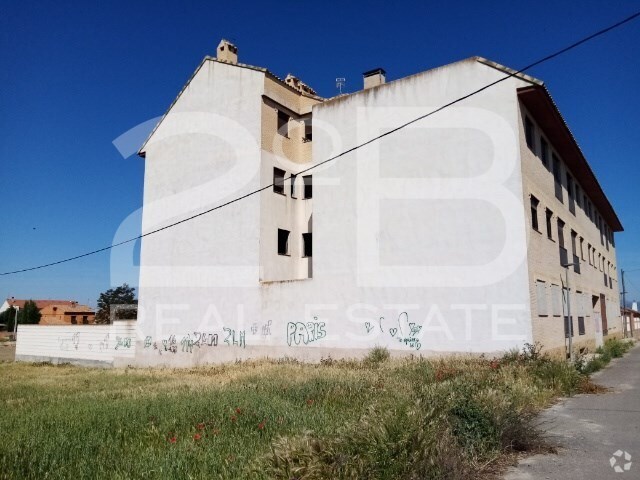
(39, 303)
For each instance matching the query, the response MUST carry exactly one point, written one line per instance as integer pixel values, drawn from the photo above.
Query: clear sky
(75, 76)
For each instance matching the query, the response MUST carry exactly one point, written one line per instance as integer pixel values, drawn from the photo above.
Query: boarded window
(278, 180)
(556, 300)
(541, 297)
(283, 242)
(581, 326)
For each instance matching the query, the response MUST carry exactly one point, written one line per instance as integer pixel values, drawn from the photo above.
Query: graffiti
(266, 329)
(298, 332)
(170, 345)
(123, 342)
(104, 344)
(406, 332)
(68, 343)
(202, 339)
(187, 344)
(231, 339)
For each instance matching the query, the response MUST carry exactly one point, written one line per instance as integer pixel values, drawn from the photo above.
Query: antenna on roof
(340, 82)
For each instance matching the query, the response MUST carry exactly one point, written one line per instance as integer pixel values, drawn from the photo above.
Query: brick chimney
(374, 77)
(227, 51)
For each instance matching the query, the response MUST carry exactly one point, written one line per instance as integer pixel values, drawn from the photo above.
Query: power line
(346, 152)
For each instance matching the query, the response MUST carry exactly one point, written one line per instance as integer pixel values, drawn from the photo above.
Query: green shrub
(376, 356)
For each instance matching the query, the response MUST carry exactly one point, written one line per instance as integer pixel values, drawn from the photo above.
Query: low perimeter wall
(107, 345)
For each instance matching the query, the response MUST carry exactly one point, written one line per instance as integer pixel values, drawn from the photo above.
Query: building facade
(323, 240)
(56, 312)
(73, 314)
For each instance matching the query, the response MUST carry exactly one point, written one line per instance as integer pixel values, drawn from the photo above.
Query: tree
(123, 295)
(8, 318)
(29, 314)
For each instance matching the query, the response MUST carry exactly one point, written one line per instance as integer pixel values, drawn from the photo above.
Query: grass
(379, 418)
(612, 348)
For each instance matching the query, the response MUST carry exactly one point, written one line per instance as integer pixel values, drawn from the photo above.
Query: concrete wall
(108, 345)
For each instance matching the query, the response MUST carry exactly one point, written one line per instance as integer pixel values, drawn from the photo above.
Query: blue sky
(75, 76)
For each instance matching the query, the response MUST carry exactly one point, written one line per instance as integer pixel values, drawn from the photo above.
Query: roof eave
(541, 105)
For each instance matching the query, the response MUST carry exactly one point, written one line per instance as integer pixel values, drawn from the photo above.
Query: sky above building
(75, 77)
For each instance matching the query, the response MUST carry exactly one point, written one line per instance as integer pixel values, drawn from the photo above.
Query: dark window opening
(85, 320)
(557, 178)
(529, 132)
(570, 192)
(568, 327)
(293, 186)
(283, 242)
(561, 233)
(563, 251)
(544, 152)
(278, 180)
(534, 213)
(283, 124)
(574, 251)
(603, 314)
(581, 330)
(308, 189)
(73, 319)
(549, 215)
(308, 132)
(307, 247)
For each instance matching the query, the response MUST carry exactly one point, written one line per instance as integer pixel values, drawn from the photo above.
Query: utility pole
(15, 325)
(624, 306)
(566, 267)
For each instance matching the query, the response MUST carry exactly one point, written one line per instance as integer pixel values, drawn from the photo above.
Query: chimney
(227, 51)
(374, 77)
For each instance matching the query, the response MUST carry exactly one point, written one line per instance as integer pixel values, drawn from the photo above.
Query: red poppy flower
(238, 410)
(310, 401)
(262, 424)
(197, 436)
(173, 440)
(200, 426)
(233, 418)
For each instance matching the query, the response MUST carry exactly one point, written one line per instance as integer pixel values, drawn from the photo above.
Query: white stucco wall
(419, 239)
(206, 151)
(107, 345)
